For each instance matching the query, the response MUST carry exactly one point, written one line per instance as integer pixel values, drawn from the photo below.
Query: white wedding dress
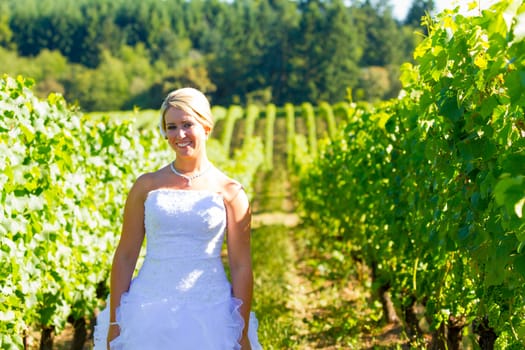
(181, 298)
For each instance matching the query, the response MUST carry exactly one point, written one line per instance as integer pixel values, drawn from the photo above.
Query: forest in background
(119, 55)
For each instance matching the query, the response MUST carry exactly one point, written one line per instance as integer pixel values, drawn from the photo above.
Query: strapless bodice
(183, 224)
(184, 237)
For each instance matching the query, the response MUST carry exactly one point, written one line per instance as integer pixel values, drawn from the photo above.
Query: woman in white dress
(181, 298)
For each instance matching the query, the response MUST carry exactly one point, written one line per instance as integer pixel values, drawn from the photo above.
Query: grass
(273, 259)
(301, 305)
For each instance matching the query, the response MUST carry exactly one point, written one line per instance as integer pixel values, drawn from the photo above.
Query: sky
(401, 7)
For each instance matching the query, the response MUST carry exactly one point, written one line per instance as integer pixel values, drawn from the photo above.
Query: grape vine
(428, 190)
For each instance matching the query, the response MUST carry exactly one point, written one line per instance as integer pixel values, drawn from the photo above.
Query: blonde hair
(191, 101)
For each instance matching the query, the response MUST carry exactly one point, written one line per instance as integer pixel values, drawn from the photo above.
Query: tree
(189, 72)
(6, 34)
(324, 62)
(418, 9)
(241, 28)
(98, 32)
(381, 34)
(274, 50)
(102, 89)
(275, 64)
(374, 84)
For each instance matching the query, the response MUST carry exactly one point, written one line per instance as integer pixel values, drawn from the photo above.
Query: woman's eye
(171, 127)
(188, 125)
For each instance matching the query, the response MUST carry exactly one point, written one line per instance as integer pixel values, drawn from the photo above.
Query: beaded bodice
(184, 236)
(184, 224)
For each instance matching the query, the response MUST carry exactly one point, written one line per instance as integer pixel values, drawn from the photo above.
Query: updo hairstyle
(191, 101)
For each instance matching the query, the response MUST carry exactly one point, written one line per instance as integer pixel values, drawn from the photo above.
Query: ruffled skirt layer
(168, 324)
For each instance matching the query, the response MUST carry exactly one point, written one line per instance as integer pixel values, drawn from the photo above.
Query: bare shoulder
(232, 190)
(143, 185)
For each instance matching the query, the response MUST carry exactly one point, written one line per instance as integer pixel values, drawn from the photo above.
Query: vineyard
(411, 210)
(430, 188)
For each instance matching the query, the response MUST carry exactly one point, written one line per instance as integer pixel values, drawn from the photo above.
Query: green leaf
(518, 207)
(514, 164)
(515, 82)
(519, 264)
(28, 131)
(509, 190)
(449, 108)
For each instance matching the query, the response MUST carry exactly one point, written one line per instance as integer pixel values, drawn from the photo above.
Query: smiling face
(191, 101)
(185, 134)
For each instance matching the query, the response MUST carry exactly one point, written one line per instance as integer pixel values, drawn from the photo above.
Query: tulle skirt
(168, 324)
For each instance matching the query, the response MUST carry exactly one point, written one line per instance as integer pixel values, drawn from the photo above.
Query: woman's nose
(180, 133)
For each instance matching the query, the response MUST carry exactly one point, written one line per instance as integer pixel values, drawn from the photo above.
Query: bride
(182, 298)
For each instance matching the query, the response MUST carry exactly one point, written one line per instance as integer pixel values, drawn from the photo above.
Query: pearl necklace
(189, 178)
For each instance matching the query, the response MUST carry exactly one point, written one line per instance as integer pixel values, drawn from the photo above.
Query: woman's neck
(191, 165)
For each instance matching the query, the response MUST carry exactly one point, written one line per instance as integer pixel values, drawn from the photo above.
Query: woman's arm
(127, 252)
(239, 253)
